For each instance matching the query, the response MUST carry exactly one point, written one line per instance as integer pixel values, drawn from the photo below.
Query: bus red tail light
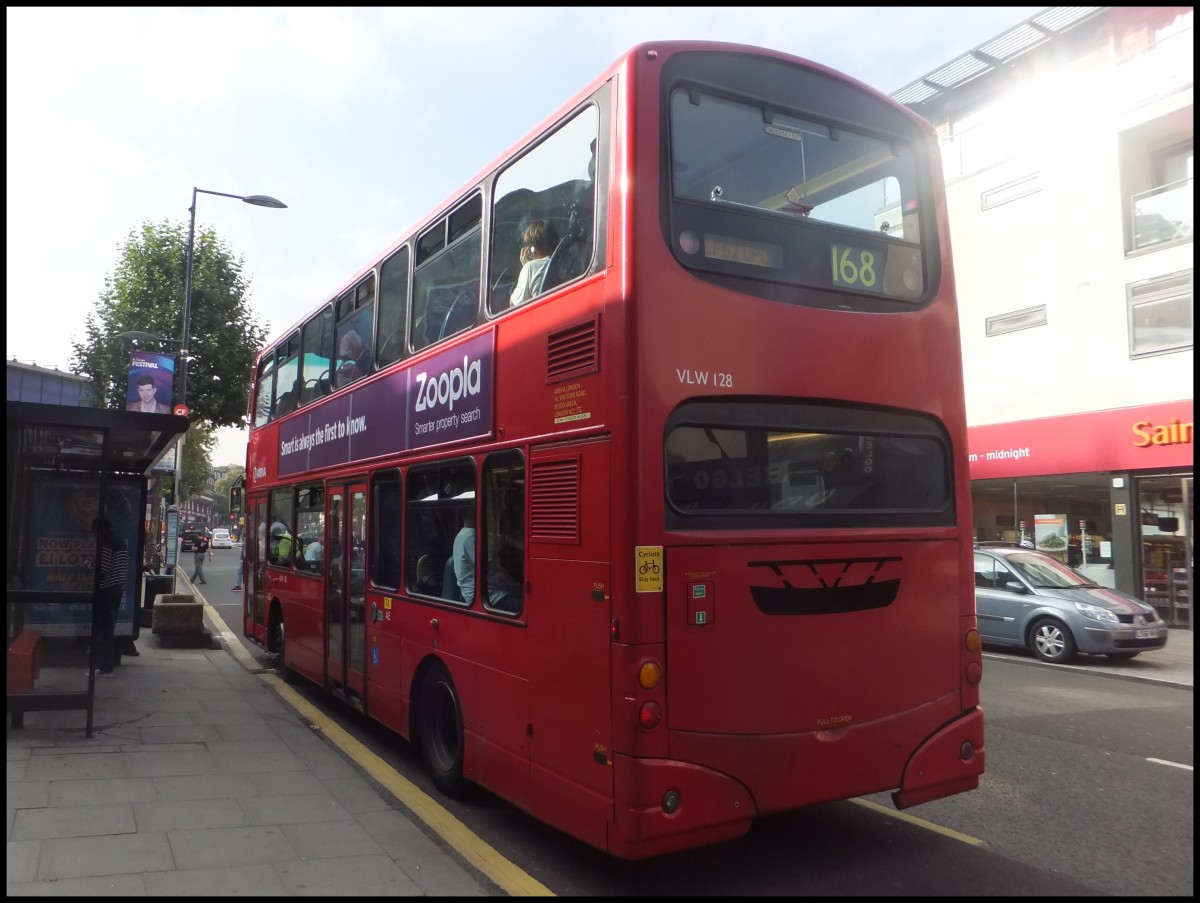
(649, 715)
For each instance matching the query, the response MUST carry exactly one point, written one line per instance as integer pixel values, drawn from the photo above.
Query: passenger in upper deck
(537, 244)
(354, 358)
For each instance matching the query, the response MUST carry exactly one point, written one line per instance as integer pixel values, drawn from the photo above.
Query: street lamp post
(258, 200)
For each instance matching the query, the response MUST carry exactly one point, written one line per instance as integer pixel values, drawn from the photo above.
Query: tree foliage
(145, 293)
(221, 491)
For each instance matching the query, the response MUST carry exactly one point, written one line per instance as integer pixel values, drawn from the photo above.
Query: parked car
(1032, 600)
(221, 539)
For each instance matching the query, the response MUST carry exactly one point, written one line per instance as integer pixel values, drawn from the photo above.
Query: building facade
(1067, 149)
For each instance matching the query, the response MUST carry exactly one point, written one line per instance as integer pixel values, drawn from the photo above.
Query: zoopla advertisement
(445, 398)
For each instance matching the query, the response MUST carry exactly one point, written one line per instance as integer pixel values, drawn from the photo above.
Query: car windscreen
(1044, 571)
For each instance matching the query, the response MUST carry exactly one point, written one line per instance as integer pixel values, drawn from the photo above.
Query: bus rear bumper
(711, 807)
(949, 762)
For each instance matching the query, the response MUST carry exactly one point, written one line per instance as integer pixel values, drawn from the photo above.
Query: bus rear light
(649, 675)
(649, 715)
(974, 643)
(974, 673)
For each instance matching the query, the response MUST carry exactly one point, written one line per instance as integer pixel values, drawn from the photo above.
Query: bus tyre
(279, 647)
(1051, 641)
(441, 732)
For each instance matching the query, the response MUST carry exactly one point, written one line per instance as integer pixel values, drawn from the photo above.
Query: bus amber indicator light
(649, 675)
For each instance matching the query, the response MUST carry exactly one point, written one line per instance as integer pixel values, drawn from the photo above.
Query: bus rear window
(776, 196)
(806, 465)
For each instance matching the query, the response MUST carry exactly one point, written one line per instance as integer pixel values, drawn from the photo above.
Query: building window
(1019, 188)
(1017, 319)
(1160, 315)
(1157, 178)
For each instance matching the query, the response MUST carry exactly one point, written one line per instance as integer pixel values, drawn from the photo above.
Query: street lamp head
(263, 200)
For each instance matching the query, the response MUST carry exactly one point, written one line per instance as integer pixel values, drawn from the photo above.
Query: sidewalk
(201, 778)
(1171, 665)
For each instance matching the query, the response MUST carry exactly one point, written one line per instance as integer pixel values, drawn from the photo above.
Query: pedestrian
(113, 576)
(199, 551)
(241, 568)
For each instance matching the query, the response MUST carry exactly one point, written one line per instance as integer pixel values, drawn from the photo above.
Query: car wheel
(1051, 641)
(441, 732)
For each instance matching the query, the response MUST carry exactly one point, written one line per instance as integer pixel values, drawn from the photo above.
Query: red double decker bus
(632, 483)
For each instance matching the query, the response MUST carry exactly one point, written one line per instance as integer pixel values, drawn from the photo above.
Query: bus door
(254, 550)
(345, 586)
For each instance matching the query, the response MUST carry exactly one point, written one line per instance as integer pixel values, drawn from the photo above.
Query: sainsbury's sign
(1157, 436)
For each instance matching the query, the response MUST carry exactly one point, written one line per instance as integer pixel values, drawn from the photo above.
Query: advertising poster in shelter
(62, 550)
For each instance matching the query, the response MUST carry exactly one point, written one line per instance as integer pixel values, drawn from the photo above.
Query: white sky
(361, 120)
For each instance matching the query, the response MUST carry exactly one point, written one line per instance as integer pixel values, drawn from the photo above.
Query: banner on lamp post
(151, 382)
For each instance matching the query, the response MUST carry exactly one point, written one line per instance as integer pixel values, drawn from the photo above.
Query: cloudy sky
(361, 120)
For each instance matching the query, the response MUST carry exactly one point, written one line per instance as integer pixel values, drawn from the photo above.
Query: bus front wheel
(278, 645)
(441, 732)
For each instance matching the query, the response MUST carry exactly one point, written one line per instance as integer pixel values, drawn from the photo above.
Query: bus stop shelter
(66, 466)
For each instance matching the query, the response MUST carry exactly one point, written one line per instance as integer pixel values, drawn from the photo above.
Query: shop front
(1108, 492)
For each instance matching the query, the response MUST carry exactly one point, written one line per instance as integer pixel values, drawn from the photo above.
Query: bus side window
(316, 355)
(556, 182)
(355, 329)
(503, 519)
(386, 520)
(436, 499)
(445, 296)
(393, 308)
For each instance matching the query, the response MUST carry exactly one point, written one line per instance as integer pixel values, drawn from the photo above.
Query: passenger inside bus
(354, 358)
(537, 244)
(462, 559)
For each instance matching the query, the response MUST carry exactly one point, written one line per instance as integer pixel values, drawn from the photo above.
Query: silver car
(1032, 600)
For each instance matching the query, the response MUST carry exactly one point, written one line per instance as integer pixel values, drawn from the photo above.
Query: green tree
(145, 294)
(221, 491)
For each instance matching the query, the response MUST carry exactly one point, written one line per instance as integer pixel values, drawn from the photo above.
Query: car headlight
(1095, 612)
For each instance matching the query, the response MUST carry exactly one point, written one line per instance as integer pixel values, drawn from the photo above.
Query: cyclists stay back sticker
(649, 568)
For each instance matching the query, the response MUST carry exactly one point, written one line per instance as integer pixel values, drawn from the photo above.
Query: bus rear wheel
(441, 732)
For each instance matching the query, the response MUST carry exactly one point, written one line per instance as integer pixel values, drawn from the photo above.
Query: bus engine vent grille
(574, 351)
(554, 501)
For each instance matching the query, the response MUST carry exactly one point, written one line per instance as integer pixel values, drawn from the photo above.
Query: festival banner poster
(151, 382)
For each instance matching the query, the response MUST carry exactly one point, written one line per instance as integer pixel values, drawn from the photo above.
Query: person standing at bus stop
(199, 550)
(113, 575)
